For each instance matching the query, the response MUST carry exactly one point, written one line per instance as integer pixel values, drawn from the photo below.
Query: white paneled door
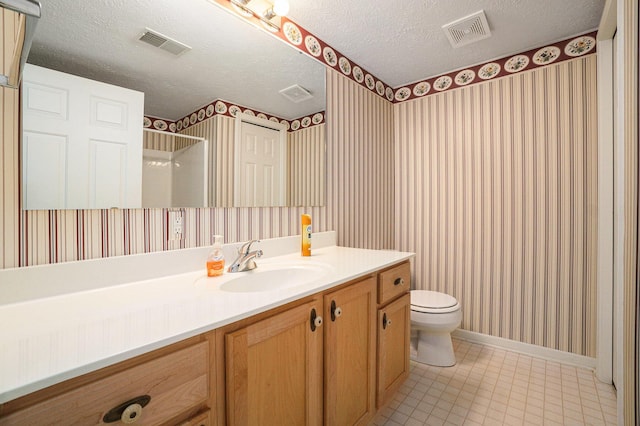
(261, 167)
(82, 142)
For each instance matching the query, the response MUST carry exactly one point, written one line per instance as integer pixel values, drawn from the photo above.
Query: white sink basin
(274, 277)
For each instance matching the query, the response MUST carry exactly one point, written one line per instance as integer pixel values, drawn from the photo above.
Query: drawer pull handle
(336, 311)
(315, 320)
(398, 281)
(385, 322)
(127, 412)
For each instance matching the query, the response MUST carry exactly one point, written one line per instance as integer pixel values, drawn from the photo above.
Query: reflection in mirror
(174, 170)
(229, 67)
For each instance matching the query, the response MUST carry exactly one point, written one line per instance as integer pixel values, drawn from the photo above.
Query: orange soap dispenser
(306, 234)
(215, 260)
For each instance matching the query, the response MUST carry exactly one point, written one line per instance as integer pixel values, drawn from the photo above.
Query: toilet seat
(433, 302)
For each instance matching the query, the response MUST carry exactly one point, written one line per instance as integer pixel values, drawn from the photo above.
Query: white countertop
(46, 340)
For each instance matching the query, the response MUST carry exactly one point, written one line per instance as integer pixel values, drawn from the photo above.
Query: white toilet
(434, 316)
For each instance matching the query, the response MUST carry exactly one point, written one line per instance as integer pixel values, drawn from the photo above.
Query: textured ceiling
(230, 59)
(402, 41)
(399, 41)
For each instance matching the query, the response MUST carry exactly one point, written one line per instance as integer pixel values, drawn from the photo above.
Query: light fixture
(281, 7)
(263, 10)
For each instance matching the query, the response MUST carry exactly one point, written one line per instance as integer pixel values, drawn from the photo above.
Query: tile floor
(490, 386)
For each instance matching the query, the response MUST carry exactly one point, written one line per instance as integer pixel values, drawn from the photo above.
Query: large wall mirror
(227, 83)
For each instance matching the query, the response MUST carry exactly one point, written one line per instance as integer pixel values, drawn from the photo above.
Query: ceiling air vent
(163, 42)
(467, 30)
(296, 93)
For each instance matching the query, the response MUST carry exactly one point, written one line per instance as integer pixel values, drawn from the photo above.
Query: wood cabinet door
(394, 323)
(274, 370)
(349, 354)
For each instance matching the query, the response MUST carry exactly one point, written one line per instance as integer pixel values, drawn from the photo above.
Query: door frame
(607, 243)
(246, 118)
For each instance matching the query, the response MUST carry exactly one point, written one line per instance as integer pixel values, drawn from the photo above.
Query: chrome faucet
(246, 258)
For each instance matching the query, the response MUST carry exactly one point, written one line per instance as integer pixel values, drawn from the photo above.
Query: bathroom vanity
(325, 341)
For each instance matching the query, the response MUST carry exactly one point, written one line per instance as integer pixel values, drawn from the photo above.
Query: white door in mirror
(82, 142)
(261, 166)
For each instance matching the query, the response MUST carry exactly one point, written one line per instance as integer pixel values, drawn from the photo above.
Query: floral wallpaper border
(301, 39)
(221, 107)
(534, 58)
(306, 42)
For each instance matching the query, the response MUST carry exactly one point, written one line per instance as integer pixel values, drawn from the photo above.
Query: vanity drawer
(393, 282)
(175, 382)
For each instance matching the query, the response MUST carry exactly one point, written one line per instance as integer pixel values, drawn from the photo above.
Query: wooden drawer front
(175, 383)
(393, 282)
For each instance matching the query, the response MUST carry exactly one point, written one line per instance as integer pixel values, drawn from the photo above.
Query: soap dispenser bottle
(305, 222)
(215, 260)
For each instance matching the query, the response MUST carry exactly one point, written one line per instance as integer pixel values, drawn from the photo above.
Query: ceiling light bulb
(281, 7)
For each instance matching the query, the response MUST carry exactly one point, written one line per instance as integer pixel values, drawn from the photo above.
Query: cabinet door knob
(315, 320)
(127, 412)
(398, 281)
(131, 414)
(385, 321)
(336, 311)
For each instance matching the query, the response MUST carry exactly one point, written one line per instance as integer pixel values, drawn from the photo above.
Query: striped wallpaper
(165, 141)
(628, 85)
(307, 166)
(9, 152)
(215, 130)
(360, 165)
(359, 196)
(158, 141)
(496, 193)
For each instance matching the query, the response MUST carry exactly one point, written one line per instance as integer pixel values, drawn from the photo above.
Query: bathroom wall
(360, 165)
(218, 128)
(158, 141)
(496, 193)
(359, 196)
(9, 154)
(307, 166)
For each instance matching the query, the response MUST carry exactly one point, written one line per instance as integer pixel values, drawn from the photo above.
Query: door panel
(261, 168)
(274, 370)
(44, 177)
(394, 322)
(102, 125)
(350, 354)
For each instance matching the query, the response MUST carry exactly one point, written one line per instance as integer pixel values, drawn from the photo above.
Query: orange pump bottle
(306, 234)
(215, 260)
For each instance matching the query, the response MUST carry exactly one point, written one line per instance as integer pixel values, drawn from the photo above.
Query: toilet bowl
(434, 316)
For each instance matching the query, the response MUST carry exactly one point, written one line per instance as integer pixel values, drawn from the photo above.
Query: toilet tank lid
(432, 299)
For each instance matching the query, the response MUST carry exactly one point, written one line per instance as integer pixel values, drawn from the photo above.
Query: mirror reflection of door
(260, 165)
(81, 142)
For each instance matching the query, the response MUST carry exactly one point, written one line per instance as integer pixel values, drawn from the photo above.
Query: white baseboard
(527, 349)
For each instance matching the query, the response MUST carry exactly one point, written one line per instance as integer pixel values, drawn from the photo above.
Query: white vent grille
(296, 93)
(163, 42)
(467, 30)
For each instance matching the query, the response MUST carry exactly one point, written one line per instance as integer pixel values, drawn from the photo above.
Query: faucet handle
(246, 247)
